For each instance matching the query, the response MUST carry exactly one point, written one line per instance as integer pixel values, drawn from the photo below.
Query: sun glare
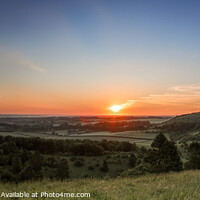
(115, 108)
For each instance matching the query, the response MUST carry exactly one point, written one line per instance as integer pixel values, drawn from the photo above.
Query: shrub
(81, 159)
(124, 156)
(78, 163)
(108, 156)
(51, 162)
(73, 158)
(132, 160)
(6, 176)
(119, 161)
(119, 171)
(97, 164)
(137, 171)
(90, 167)
(62, 169)
(104, 167)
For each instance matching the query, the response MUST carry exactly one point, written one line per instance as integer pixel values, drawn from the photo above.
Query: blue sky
(102, 51)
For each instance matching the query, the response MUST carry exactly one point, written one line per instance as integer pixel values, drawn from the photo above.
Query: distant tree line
(116, 126)
(112, 126)
(10, 144)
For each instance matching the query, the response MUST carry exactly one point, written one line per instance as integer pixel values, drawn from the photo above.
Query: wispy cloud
(28, 63)
(177, 95)
(127, 104)
(18, 59)
(186, 88)
(181, 99)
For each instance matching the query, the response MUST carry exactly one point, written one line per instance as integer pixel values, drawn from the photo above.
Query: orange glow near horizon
(64, 107)
(178, 100)
(115, 108)
(105, 59)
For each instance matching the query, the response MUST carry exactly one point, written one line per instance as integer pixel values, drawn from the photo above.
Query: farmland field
(70, 128)
(138, 137)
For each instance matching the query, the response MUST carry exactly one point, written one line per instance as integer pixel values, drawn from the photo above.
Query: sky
(81, 57)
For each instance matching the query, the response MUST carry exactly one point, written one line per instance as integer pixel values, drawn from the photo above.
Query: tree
(6, 175)
(36, 161)
(62, 169)
(9, 147)
(194, 156)
(104, 167)
(132, 160)
(163, 156)
(25, 155)
(27, 173)
(16, 164)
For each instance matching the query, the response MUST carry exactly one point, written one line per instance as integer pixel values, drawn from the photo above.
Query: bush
(28, 173)
(62, 169)
(119, 171)
(132, 160)
(81, 159)
(108, 156)
(86, 176)
(119, 161)
(73, 158)
(87, 149)
(78, 163)
(137, 171)
(90, 167)
(51, 162)
(6, 176)
(97, 164)
(104, 167)
(124, 156)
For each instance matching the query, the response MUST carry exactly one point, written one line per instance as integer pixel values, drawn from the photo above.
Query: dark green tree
(163, 156)
(36, 161)
(62, 171)
(6, 176)
(16, 164)
(27, 173)
(104, 167)
(194, 156)
(132, 160)
(25, 155)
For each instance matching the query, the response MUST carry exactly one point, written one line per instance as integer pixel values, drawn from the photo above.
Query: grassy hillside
(184, 185)
(193, 117)
(183, 128)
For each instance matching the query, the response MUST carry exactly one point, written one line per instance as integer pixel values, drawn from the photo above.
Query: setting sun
(115, 108)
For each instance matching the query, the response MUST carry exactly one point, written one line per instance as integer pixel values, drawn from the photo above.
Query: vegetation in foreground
(20, 160)
(24, 159)
(176, 186)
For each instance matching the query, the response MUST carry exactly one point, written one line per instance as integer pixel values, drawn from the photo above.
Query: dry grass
(176, 186)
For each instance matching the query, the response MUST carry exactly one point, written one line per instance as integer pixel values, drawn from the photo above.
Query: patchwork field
(47, 125)
(138, 137)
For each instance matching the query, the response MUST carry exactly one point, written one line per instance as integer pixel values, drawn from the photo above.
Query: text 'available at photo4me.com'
(43, 195)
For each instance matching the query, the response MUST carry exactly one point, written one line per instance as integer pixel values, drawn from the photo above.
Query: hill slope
(191, 118)
(183, 128)
(184, 185)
